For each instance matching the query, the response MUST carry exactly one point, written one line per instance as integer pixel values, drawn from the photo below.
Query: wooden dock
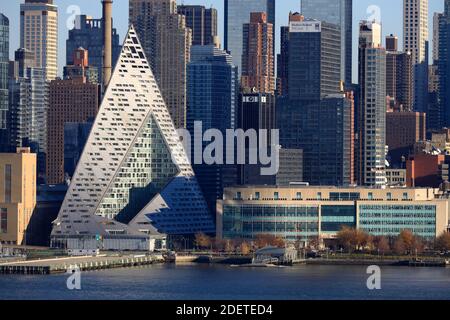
(87, 263)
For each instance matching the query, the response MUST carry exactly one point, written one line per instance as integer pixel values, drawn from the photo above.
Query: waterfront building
(338, 12)
(17, 195)
(166, 40)
(4, 94)
(297, 213)
(415, 41)
(88, 34)
(70, 100)
(39, 34)
(28, 105)
(258, 55)
(134, 181)
(202, 22)
(371, 156)
(212, 94)
(403, 130)
(236, 15)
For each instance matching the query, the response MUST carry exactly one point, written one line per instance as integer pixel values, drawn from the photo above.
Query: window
(298, 196)
(257, 195)
(370, 196)
(238, 196)
(405, 196)
(319, 195)
(389, 196)
(8, 183)
(276, 195)
(3, 220)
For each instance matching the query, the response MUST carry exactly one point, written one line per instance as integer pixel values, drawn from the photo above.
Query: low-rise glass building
(305, 213)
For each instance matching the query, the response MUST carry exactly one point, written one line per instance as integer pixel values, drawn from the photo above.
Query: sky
(389, 11)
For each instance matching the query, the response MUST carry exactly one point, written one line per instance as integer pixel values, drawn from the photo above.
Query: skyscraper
(88, 34)
(236, 15)
(70, 100)
(258, 54)
(202, 22)
(399, 74)
(39, 34)
(28, 104)
(212, 92)
(444, 68)
(133, 181)
(371, 158)
(436, 18)
(166, 40)
(4, 69)
(339, 12)
(283, 56)
(415, 40)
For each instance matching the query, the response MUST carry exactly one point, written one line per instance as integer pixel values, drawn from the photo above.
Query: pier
(86, 263)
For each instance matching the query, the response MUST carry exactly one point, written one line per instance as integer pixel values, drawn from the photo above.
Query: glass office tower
(236, 14)
(4, 63)
(337, 12)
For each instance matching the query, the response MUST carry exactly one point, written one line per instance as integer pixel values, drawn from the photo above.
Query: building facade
(39, 34)
(134, 182)
(202, 22)
(70, 100)
(258, 62)
(236, 15)
(403, 130)
(88, 34)
(308, 213)
(4, 94)
(444, 67)
(338, 12)
(17, 195)
(371, 157)
(212, 94)
(167, 41)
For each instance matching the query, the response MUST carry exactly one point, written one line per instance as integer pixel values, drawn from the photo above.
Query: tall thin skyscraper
(257, 55)
(88, 34)
(212, 92)
(436, 18)
(415, 40)
(202, 22)
(39, 34)
(443, 116)
(167, 41)
(4, 69)
(371, 155)
(236, 15)
(339, 12)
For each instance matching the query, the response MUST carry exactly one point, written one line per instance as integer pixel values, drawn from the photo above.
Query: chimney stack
(107, 38)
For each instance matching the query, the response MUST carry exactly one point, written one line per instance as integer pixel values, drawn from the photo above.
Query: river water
(217, 282)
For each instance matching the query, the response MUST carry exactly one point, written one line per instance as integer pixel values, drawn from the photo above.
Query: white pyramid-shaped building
(133, 181)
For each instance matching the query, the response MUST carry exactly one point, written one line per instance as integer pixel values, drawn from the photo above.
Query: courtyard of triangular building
(133, 182)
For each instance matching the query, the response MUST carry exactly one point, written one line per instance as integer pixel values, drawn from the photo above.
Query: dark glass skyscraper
(339, 12)
(444, 68)
(4, 69)
(203, 23)
(236, 14)
(88, 34)
(211, 99)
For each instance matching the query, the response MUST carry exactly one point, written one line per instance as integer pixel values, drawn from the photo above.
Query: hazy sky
(390, 12)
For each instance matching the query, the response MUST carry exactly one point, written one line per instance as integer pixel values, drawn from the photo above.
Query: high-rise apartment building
(444, 67)
(4, 70)
(399, 74)
(436, 18)
(338, 12)
(212, 92)
(236, 15)
(415, 40)
(28, 105)
(39, 34)
(202, 22)
(88, 34)
(81, 67)
(134, 181)
(371, 156)
(258, 63)
(17, 195)
(70, 100)
(167, 41)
